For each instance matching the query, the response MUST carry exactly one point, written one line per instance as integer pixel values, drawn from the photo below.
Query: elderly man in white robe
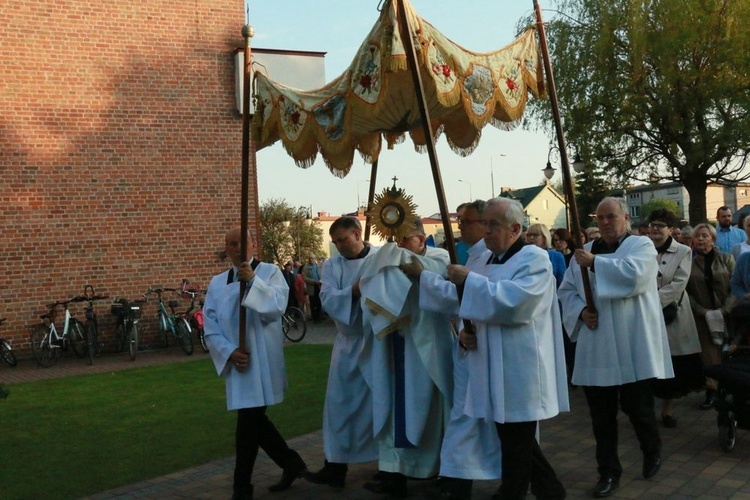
(516, 358)
(412, 379)
(621, 343)
(471, 448)
(256, 379)
(348, 410)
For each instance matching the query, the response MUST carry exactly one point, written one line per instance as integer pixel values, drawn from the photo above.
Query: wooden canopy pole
(247, 33)
(411, 57)
(567, 179)
(371, 197)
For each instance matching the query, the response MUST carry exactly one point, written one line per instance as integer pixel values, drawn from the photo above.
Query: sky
(514, 158)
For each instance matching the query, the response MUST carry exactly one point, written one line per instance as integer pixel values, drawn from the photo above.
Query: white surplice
(630, 342)
(264, 382)
(471, 447)
(347, 414)
(428, 381)
(517, 372)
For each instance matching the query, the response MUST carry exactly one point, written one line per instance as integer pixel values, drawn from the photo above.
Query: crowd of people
(447, 370)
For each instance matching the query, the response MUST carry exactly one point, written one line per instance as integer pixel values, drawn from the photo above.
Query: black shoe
(288, 477)
(393, 485)
(651, 466)
(669, 421)
(332, 474)
(243, 495)
(606, 486)
(454, 488)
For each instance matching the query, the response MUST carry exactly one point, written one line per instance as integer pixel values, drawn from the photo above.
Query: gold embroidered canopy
(375, 98)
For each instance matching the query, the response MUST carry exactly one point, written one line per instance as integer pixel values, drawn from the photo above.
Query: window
(545, 204)
(635, 196)
(635, 211)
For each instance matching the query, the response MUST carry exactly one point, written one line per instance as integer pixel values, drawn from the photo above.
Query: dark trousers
(637, 403)
(524, 464)
(254, 430)
(316, 308)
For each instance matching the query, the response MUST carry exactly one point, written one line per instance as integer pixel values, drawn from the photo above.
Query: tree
(655, 89)
(655, 203)
(287, 232)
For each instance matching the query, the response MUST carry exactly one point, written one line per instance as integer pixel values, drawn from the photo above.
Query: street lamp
(549, 171)
(471, 198)
(492, 172)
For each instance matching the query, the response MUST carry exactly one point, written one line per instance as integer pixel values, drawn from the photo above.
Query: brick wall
(120, 149)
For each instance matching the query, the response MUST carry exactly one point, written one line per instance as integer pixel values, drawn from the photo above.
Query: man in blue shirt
(726, 235)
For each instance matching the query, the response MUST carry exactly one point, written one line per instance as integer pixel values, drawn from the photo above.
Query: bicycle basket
(118, 307)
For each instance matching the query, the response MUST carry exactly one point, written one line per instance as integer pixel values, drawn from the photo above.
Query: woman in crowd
(564, 243)
(300, 292)
(538, 234)
(675, 262)
(709, 293)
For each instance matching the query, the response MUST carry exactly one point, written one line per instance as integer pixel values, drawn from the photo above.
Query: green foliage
(655, 89)
(287, 232)
(655, 203)
(75, 436)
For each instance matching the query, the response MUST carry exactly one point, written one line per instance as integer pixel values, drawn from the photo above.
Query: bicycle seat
(45, 316)
(173, 304)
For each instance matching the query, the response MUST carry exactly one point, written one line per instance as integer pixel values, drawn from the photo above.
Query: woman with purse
(675, 262)
(710, 297)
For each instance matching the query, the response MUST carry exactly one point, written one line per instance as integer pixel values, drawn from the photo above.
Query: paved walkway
(694, 465)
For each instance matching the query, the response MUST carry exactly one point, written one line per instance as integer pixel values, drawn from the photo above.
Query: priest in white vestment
(471, 448)
(621, 345)
(411, 360)
(256, 379)
(348, 410)
(516, 358)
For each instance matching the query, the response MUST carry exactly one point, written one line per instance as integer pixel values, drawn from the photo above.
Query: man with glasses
(470, 225)
(515, 360)
(622, 341)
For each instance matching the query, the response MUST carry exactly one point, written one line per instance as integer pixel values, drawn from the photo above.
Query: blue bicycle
(174, 323)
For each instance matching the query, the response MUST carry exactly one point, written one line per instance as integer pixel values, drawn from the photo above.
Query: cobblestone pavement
(694, 466)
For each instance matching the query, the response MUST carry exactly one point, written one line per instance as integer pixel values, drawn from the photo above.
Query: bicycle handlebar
(76, 299)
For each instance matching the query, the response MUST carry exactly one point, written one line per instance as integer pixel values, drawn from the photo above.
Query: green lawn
(69, 437)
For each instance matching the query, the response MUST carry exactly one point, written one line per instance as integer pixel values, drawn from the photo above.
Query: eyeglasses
(466, 222)
(492, 225)
(658, 225)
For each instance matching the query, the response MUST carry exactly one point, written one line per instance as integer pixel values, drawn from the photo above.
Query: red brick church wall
(120, 149)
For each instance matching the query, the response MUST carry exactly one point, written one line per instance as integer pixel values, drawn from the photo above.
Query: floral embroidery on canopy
(374, 98)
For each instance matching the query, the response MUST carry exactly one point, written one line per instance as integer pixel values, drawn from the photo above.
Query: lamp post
(549, 172)
(492, 172)
(471, 198)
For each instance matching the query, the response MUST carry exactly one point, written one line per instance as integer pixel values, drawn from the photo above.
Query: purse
(670, 310)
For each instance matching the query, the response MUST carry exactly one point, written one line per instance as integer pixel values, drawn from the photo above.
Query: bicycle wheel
(295, 326)
(7, 353)
(44, 352)
(163, 322)
(92, 341)
(182, 331)
(119, 336)
(77, 339)
(728, 434)
(199, 333)
(132, 340)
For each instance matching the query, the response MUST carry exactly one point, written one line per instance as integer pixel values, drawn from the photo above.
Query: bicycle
(174, 322)
(195, 315)
(294, 324)
(92, 327)
(126, 327)
(46, 342)
(6, 351)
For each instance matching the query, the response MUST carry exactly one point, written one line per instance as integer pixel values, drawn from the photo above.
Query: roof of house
(527, 195)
